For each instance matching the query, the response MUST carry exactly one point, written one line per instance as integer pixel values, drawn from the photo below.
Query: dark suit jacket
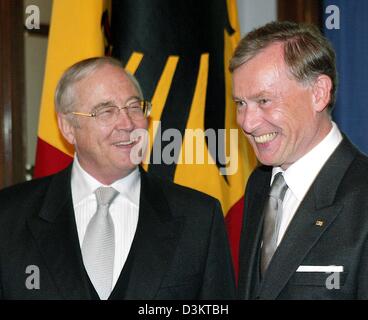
(339, 198)
(180, 249)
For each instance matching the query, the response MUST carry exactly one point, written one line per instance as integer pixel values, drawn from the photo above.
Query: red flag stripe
(234, 222)
(49, 159)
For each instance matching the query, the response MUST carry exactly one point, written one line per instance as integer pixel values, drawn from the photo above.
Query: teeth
(266, 137)
(126, 143)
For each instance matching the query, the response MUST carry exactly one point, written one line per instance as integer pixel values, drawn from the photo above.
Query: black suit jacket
(330, 227)
(180, 249)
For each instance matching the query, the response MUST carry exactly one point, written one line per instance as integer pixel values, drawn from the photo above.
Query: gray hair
(64, 94)
(307, 52)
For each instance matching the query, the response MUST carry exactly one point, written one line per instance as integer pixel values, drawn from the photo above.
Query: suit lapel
(252, 229)
(301, 236)
(54, 230)
(153, 245)
(304, 231)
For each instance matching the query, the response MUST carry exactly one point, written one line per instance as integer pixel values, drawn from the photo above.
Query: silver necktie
(272, 220)
(98, 248)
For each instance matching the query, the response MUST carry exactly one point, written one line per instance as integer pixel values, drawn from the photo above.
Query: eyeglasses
(108, 115)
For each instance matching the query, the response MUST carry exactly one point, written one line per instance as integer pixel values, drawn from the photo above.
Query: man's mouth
(125, 143)
(265, 137)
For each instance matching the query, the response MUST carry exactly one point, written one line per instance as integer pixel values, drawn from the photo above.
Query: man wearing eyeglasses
(104, 228)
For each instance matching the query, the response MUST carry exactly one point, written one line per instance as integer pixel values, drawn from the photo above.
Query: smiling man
(306, 207)
(104, 228)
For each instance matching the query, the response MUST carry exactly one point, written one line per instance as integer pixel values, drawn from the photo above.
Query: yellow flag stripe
(203, 177)
(246, 157)
(75, 34)
(159, 99)
(134, 62)
(233, 17)
(206, 177)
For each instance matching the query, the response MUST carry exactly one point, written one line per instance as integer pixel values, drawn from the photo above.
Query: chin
(266, 162)
(127, 167)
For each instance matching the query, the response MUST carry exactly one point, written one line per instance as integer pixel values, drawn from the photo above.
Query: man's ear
(66, 128)
(321, 90)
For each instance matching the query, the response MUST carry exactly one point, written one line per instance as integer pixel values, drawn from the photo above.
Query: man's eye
(240, 103)
(263, 101)
(105, 112)
(134, 105)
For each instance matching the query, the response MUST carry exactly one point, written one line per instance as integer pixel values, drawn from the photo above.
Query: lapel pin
(319, 223)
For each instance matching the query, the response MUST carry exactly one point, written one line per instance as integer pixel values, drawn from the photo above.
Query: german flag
(75, 34)
(179, 52)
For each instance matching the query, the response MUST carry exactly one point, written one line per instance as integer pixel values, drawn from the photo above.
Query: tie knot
(105, 195)
(278, 187)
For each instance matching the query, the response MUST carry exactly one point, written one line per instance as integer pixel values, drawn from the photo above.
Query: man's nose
(124, 121)
(249, 118)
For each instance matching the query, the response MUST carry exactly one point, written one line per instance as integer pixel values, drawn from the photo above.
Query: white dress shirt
(301, 174)
(124, 209)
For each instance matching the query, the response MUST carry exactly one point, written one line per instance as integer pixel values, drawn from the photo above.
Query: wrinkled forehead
(259, 74)
(110, 85)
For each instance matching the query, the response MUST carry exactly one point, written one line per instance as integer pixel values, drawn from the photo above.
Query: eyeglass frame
(147, 107)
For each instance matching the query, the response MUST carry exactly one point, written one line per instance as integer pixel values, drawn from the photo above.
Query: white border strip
(320, 269)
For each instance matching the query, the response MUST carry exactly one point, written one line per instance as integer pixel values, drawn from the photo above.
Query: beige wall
(35, 48)
(254, 13)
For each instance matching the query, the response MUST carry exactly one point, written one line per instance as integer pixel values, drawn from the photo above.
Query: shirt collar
(301, 174)
(83, 184)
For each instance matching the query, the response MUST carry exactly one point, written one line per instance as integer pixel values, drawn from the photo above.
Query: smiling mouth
(126, 143)
(265, 137)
